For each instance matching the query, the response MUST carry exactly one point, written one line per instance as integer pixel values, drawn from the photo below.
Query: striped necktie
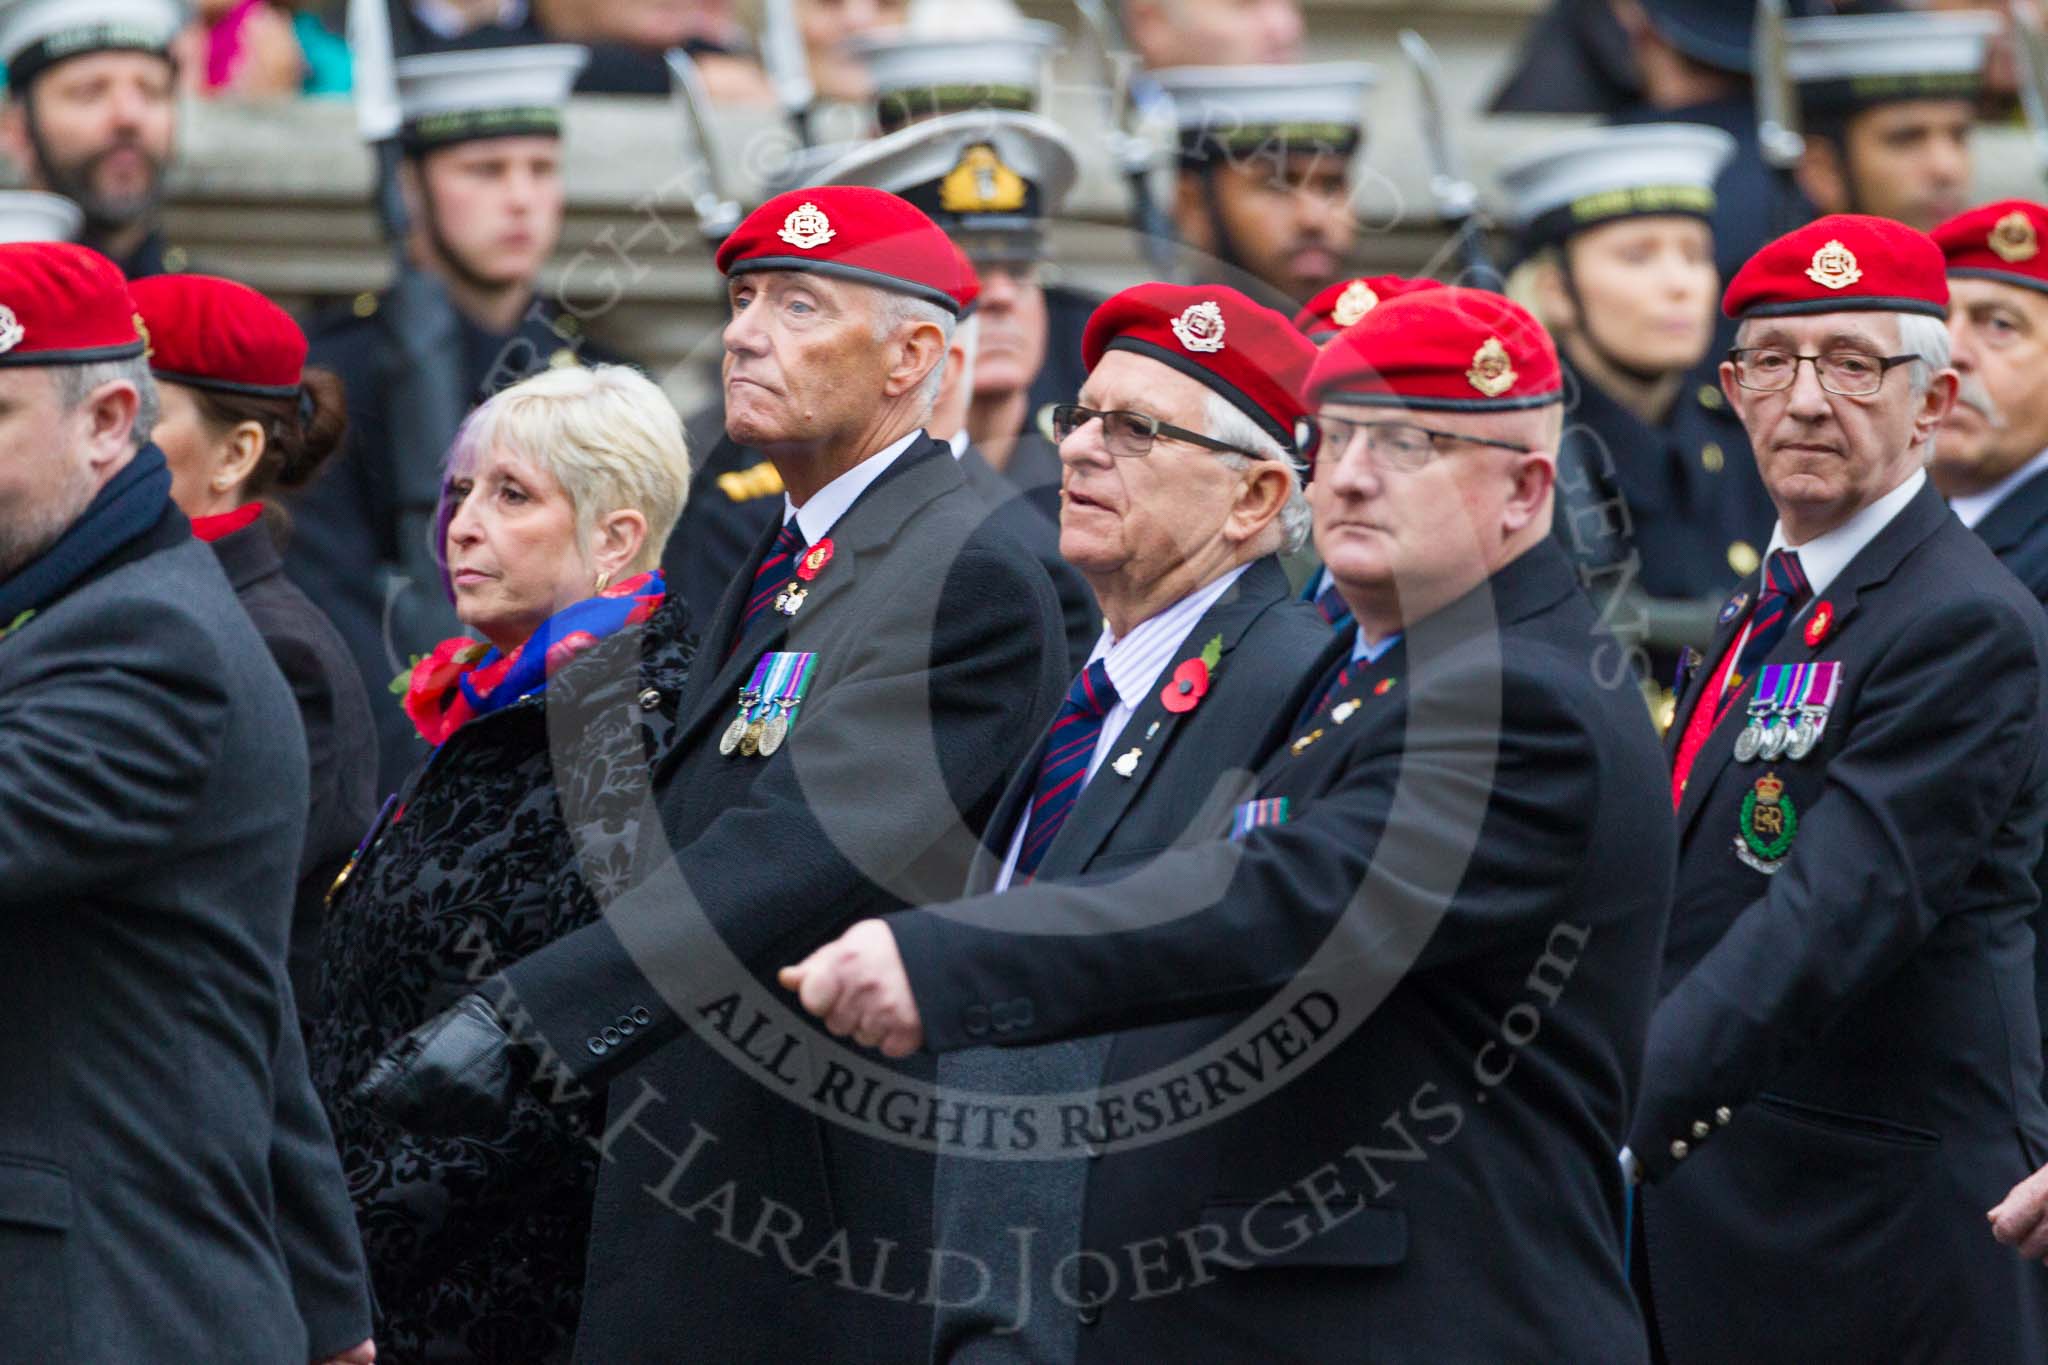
(771, 578)
(1069, 746)
(1335, 610)
(1785, 590)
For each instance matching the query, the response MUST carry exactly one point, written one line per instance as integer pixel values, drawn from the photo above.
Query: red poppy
(1187, 687)
(1819, 624)
(815, 559)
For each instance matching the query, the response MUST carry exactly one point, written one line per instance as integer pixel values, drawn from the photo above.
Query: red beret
(62, 304)
(1346, 301)
(854, 233)
(215, 334)
(1843, 263)
(968, 293)
(1448, 349)
(1243, 350)
(2000, 241)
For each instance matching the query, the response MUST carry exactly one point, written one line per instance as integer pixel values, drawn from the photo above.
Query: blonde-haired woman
(560, 493)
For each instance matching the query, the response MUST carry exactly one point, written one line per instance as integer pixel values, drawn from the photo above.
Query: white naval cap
(447, 97)
(1845, 62)
(940, 67)
(988, 177)
(37, 34)
(1244, 109)
(1597, 175)
(32, 216)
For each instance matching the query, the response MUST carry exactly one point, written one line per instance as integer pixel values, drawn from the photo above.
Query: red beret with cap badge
(1448, 349)
(212, 333)
(849, 232)
(1345, 302)
(2000, 241)
(1843, 263)
(63, 304)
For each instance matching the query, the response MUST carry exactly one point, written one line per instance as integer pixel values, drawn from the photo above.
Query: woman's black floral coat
(511, 835)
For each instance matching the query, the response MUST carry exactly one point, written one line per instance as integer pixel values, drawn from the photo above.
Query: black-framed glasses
(1403, 446)
(1849, 374)
(1129, 435)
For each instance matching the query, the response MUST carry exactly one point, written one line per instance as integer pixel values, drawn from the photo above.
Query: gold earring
(604, 580)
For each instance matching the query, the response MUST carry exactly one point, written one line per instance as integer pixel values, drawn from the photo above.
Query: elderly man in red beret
(1844, 1072)
(159, 1136)
(866, 687)
(1388, 1014)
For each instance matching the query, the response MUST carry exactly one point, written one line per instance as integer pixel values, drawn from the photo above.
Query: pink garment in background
(224, 45)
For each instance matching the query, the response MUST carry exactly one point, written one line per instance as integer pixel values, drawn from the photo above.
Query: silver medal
(774, 732)
(734, 733)
(1746, 742)
(1772, 745)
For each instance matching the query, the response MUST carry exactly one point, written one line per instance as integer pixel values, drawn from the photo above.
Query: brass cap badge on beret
(1834, 267)
(1492, 372)
(806, 227)
(1200, 327)
(1354, 303)
(11, 330)
(2013, 238)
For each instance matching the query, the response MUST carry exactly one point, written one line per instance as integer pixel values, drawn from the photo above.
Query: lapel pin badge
(1127, 762)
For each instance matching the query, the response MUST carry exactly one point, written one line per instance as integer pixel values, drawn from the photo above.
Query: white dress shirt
(1826, 555)
(826, 506)
(1135, 664)
(1971, 508)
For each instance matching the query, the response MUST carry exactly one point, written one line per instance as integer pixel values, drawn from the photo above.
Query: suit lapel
(1110, 793)
(2006, 526)
(1733, 614)
(867, 527)
(1873, 564)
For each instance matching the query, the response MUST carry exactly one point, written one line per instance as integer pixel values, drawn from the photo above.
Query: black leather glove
(454, 1076)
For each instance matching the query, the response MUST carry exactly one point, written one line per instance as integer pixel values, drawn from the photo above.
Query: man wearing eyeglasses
(1381, 1041)
(1180, 489)
(1844, 1071)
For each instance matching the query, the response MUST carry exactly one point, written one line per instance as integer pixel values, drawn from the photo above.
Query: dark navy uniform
(1844, 1071)
(344, 549)
(1676, 512)
(1331, 1211)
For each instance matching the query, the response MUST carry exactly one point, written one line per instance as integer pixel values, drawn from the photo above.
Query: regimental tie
(1332, 605)
(1069, 746)
(1785, 591)
(771, 578)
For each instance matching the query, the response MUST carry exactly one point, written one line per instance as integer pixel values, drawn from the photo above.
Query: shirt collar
(817, 517)
(958, 440)
(1826, 555)
(1135, 661)
(1372, 651)
(1971, 508)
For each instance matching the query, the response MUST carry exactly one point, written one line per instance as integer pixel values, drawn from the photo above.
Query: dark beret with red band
(63, 304)
(212, 333)
(1843, 263)
(1346, 301)
(1448, 349)
(1242, 350)
(2000, 241)
(853, 233)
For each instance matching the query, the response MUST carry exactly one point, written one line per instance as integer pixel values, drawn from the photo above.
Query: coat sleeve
(1923, 783)
(108, 729)
(316, 1225)
(921, 731)
(1446, 830)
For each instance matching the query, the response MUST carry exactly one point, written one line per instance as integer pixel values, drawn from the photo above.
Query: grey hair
(894, 310)
(75, 384)
(1224, 422)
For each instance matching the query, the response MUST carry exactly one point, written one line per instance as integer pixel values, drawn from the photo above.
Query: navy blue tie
(1785, 590)
(1069, 745)
(1331, 604)
(772, 577)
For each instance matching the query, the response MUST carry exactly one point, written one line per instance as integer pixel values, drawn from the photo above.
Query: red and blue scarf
(465, 678)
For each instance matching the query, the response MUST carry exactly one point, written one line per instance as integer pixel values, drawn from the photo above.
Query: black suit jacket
(1193, 766)
(2017, 532)
(168, 1186)
(335, 712)
(1844, 1071)
(1411, 1154)
(932, 678)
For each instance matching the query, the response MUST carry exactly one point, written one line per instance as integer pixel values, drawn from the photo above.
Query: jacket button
(1021, 1013)
(1723, 1115)
(1093, 1152)
(1712, 457)
(1679, 1149)
(611, 1036)
(1090, 1315)
(974, 1020)
(649, 699)
(641, 1016)
(1712, 398)
(1700, 1130)
(596, 1046)
(1743, 558)
(626, 1027)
